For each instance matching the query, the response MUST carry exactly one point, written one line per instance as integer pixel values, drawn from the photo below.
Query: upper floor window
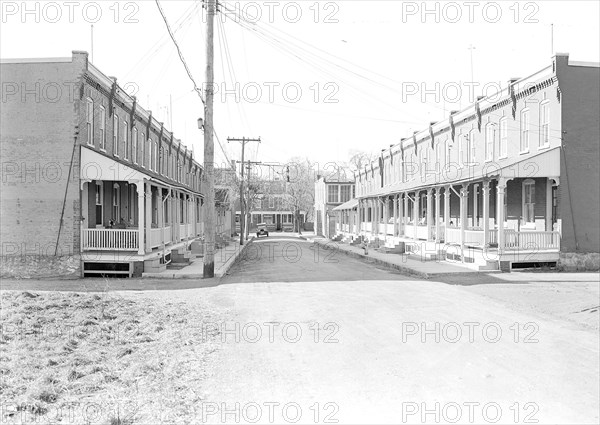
(438, 155)
(90, 121)
(154, 155)
(490, 132)
(332, 193)
(271, 202)
(115, 135)
(503, 142)
(524, 142)
(448, 151)
(102, 128)
(544, 124)
(345, 193)
(471, 147)
(143, 151)
(463, 149)
(125, 140)
(134, 145)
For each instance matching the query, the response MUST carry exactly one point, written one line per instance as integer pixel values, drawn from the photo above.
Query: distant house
(271, 206)
(330, 193)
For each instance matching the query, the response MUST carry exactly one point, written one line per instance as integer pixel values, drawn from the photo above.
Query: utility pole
(243, 141)
(209, 146)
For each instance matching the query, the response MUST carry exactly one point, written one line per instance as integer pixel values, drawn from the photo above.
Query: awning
(351, 204)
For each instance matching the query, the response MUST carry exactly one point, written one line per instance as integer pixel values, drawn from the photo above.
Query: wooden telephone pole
(209, 146)
(243, 141)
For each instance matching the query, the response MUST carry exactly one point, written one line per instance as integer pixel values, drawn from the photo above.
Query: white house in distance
(330, 192)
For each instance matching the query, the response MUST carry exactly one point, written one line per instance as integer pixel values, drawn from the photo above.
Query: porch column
(395, 226)
(386, 212)
(438, 236)
(161, 215)
(485, 189)
(415, 214)
(501, 188)
(376, 216)
(141, 226)
(148, 215)
(548, 217)
(429, 219)
(405, 214)
(464, 198)
(447, 194)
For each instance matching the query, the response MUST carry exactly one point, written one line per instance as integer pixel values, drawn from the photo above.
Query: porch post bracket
(83, 181)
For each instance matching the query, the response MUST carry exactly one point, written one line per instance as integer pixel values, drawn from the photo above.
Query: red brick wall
(579, 191)
(38, 130)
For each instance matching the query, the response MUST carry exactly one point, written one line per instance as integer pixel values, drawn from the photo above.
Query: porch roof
(545, 164)
(351, 204)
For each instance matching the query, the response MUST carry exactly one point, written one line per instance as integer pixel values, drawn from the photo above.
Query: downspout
(62, 214)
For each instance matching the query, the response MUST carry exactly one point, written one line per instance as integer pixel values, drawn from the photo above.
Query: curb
(232, 260)
(403, 269)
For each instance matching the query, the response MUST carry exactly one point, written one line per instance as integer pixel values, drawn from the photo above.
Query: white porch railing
(156, 237)
(167, 234)
(110, 239)
(182, 231)
(190, 230)
(367, 227)
(390, 229)
(531, 240)
(422, 232)
(452, 235)
(409, 231)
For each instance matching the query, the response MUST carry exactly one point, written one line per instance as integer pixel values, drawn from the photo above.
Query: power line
(179, 52)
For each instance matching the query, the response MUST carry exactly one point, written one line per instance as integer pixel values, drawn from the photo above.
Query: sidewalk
(224, 259)
(400, 262)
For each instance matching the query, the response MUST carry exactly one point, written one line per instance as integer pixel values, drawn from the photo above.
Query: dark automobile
(262, 230)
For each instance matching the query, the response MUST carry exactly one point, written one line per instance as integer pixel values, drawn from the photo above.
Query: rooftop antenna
(551, 40)
(92, 39)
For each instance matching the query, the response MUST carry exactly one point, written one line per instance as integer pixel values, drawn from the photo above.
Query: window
(115, 135)
(155, 156)
(503, 138)
(529, 201)
(143, 161)
(345, 193)
(490, 133)
(544, 124)
(257, 204)
(471, 147)
(90, 121)
(125, 140)
(134, 146)
(102, 128)
(332, 193)
(438, 156)
(448, 150)
(463, 150)
(524, 145)
(116, 202)
(99, 203)
(271, 202)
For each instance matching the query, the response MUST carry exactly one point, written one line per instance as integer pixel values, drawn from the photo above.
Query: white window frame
(155, 156)
(524, 130)
(503, 139)
(544, 141)
(529, 183)
(447, 153)
(102, 128)
(271, 202)
(116, 203)
(115, 135)
(143, 150)
(490, 135)
(134, 145)
(89, 111)
(472, 147)
(126, 140)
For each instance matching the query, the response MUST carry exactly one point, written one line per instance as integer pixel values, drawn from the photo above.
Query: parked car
(261, 230)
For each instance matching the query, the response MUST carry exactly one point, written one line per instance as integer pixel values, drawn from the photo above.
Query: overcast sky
(315, 79)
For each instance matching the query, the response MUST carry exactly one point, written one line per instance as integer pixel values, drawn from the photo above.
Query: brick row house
(509, 181)
(89, 173)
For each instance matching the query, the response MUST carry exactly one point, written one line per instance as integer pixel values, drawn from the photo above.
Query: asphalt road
(289, 259)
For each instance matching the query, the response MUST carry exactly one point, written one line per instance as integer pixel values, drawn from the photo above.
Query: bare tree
(359, 159)
(300, 189)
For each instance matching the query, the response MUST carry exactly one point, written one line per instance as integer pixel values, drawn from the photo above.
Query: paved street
(283, 258)
(369, 346)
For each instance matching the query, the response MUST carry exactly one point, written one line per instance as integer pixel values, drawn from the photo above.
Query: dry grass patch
(102, 358)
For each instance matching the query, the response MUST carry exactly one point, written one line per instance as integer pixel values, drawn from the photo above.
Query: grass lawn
(102, 358)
